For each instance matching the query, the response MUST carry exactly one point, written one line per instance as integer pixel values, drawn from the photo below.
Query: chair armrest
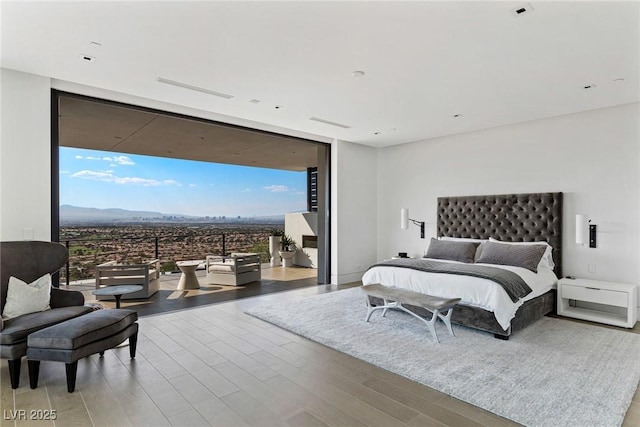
(63, 298)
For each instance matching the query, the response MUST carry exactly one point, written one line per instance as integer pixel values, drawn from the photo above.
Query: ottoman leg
(72, 369)
(133, 341)
(14, 371)
(34, 373)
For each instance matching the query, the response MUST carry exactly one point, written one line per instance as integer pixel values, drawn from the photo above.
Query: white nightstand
(621, 298)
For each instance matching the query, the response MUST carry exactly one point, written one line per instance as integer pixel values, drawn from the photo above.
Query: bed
(531, 217)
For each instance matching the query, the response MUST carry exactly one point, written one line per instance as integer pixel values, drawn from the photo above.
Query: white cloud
(192, 185)
(115, 161)
(277, 188)
(108, 176)
(63, 172)
(246, 190)
(123, 160)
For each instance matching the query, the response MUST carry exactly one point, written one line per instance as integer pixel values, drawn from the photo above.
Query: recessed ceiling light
(521, 10)
(589, 86)
(254, 101)
(619, 79)
(195, 88)
(357, 73)
(95, 44)
(457, 115)
(278, 107)
(377, 133)
(87, 58)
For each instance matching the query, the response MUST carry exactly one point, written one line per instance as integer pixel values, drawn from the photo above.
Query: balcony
(86, 253)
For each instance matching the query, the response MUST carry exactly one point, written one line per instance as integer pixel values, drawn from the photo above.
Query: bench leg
(34, 373)
(371, 308)
(72, 369)
(398, 306)
(447, 320)
(14, 371)
(133, 342)
(430, 323)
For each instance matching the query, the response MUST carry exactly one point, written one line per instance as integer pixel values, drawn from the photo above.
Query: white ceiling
(424, 62)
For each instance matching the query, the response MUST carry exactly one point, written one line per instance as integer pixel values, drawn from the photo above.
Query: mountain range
(70, 213)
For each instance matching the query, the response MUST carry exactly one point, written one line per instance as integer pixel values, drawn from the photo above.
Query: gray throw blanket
(513, 284)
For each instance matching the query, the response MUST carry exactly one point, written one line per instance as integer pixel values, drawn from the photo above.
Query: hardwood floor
(214, 365)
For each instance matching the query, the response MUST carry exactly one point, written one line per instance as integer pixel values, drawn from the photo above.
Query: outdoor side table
(117, 291)
(188, 280)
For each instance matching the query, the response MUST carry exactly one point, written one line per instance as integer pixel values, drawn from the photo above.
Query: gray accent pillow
(454, 251)
(525, 256)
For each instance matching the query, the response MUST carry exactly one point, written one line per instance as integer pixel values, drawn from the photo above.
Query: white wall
(592, 157)
(25, 165)
(353, 211)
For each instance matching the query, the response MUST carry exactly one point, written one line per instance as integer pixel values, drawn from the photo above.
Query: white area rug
(554, 373)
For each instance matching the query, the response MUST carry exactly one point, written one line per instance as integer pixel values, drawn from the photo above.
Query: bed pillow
(25, 298)
(452, 250)
(480, 242)
(547, 257)
(525, 256)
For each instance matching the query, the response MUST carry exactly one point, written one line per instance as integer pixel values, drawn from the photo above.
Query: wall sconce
(404, 222)
(581, 228)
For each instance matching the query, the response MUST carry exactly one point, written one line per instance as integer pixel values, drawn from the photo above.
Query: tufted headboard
(528, 217)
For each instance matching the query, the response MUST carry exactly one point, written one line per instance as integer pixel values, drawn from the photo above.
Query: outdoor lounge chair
(235, 270)
(145, 274)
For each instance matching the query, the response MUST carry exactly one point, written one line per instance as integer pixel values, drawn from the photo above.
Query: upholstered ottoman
(74, 339)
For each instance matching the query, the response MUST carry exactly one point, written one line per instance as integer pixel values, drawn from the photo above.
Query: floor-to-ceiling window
(110, 138)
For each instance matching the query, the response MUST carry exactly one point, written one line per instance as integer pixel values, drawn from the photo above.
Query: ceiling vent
(327, 122)
(522, 9)
(196, 88)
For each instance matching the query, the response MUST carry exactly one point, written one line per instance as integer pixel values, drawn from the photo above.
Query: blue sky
(101, 179)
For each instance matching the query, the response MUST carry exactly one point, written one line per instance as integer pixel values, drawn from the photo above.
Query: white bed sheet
(473, 291)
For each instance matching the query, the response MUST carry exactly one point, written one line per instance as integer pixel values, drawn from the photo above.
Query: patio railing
(86, 253)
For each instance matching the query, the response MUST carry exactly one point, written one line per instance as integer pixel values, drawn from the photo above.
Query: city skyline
(103, 180)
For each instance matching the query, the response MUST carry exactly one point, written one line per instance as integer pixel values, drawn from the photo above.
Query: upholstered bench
(394, 298)
(74, 339)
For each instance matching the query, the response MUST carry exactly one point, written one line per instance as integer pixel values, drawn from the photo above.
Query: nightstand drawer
(592, 294)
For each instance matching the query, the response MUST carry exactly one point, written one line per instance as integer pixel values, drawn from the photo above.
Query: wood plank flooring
(215, 366)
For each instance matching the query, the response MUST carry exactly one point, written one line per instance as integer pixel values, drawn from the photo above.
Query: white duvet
(473, 291)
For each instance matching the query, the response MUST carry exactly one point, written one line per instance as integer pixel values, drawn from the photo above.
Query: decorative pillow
(25, 298)
(547, 257)
(452, 250)
(479, 247)
(525, 256)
